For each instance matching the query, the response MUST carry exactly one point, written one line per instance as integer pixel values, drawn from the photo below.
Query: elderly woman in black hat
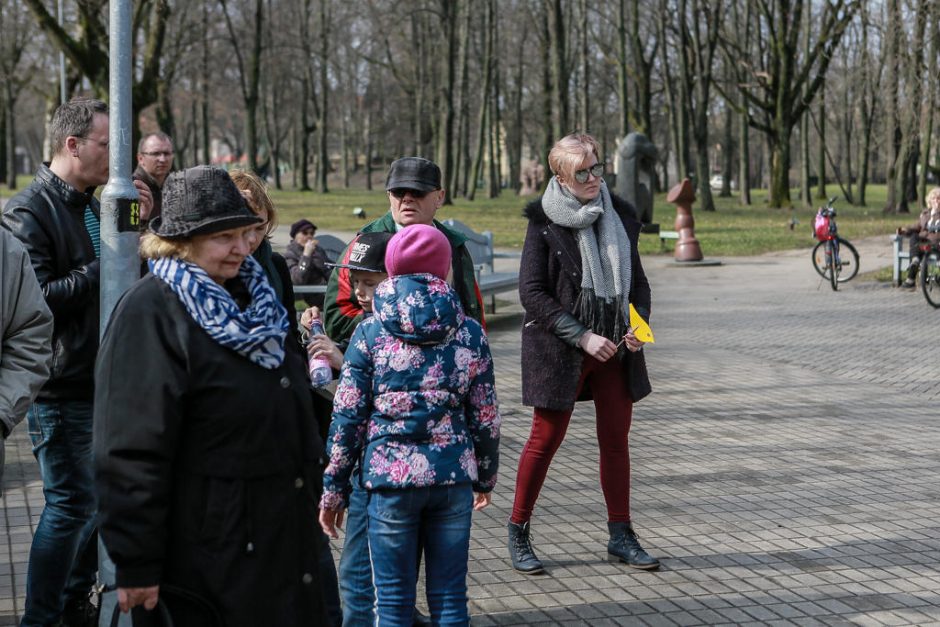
(208, 462)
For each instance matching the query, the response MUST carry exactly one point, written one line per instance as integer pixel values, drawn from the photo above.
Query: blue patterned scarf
(258, 332)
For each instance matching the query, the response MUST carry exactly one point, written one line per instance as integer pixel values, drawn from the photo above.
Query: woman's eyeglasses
(399, 193)
(596, 170)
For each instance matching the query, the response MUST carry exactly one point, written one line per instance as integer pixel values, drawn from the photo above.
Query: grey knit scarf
(606, 268)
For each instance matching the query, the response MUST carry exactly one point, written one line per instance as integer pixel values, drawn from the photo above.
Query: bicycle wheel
(930, 278)
(820, 263)
(832, 257)
(848, 261)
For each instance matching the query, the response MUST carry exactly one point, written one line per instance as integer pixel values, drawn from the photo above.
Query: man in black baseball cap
(414, 190)
(414, 195)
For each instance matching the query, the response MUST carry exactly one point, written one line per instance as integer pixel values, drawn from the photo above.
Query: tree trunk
(482, 119)
(344, 143)
(821, 155)
(461, 109)
(368, 133)
(323, 122)
(559, 68)
(780, 168)
(548, 129)
(445, 143)
(4, 153)
(622, 84)
(744, 156)
(204, 86)
(727, 154)
(584, 123)
(304, 162)
(929, 111)
(892, 126)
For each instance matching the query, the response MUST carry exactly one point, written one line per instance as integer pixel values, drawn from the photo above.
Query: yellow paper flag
(641, 329)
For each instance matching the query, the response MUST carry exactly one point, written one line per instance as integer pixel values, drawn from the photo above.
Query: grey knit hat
(201, 200)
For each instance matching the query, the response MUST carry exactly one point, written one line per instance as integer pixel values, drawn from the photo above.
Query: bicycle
(930, 268)
(829, 255)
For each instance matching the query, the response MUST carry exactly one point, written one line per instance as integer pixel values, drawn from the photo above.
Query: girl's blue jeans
(439, 518)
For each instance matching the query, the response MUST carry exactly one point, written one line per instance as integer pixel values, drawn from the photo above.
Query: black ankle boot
(624, 547)
(520, 550)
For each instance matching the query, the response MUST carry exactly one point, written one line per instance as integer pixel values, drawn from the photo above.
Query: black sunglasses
(399, 193)
(597, 170)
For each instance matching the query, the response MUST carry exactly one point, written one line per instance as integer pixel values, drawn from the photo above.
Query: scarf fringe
(604, 317)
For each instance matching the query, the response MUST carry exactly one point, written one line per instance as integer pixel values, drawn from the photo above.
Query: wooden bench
(664, 235)
(902, 258)
(480, 247)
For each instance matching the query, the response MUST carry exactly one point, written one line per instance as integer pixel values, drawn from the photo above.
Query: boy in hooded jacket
(416, 405)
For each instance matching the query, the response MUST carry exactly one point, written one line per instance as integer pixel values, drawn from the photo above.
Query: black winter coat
(48, 218)
(208, 468)
(549, 285)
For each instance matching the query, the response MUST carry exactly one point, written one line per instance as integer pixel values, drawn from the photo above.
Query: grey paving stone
(784, 468)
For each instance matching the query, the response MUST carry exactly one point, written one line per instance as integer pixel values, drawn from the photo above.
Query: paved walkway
(785, 469)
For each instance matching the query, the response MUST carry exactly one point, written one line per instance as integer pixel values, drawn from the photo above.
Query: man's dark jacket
(48, 218)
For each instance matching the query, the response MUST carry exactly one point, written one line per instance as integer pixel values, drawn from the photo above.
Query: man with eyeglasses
(56, 218)
(154, 163)
(414, 195)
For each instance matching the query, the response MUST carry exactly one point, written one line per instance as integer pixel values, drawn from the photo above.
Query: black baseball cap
(367, 253)
(413, 173)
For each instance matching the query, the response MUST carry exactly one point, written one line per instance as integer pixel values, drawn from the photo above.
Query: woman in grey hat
(208, 461)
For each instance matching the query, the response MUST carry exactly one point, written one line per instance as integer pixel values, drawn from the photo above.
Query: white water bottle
(319, 367)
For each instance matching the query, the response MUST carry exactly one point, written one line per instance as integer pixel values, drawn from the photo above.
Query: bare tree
(782, 85)
(14, 75)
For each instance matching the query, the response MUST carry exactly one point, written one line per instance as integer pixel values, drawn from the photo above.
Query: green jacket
(341, 310)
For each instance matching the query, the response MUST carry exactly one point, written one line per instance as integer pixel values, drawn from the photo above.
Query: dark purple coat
(549, 284)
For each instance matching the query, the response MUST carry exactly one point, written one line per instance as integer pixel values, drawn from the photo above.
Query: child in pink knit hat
(418, 249)
(416, 404)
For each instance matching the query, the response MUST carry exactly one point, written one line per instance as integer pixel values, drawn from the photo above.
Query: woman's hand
(597, 346)
(308, 316)
(322, 346)
(132, 597)
(481, 500)
(331, 520)
(631, 342)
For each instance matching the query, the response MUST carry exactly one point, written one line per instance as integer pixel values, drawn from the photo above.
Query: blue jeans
(327, 572)
(355, 569)
(62, 559)
(437, 517)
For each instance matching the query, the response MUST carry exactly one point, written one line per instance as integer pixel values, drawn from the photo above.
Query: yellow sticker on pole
(641, 329)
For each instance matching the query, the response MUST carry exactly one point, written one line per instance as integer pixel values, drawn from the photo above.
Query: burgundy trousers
(614, 409)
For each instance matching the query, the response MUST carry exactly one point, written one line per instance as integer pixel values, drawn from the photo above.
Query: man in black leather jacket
(57, 219)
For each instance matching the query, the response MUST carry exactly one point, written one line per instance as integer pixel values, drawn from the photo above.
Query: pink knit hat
(418, 249)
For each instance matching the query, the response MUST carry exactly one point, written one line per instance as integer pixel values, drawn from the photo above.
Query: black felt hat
(201, 200)
(413, 173)
(367, 253)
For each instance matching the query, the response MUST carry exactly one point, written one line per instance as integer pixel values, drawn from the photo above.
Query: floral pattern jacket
(416, 400)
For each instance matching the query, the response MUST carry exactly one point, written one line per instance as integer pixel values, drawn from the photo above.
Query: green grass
(731, 230)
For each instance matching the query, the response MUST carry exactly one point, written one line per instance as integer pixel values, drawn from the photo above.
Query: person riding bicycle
(918, 232)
